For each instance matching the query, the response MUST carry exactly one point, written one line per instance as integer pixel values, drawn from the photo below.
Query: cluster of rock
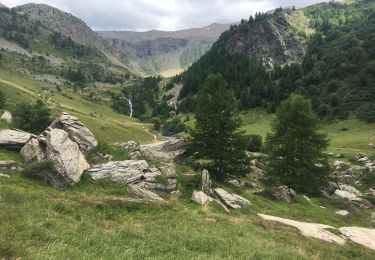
(132, 147)
(64, 143)
(225, 199)
(281, 193)
(142, 180)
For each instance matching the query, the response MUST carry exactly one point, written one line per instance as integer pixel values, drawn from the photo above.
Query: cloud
(141, 15)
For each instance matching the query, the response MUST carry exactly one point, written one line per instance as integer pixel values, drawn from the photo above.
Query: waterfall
(130, 108)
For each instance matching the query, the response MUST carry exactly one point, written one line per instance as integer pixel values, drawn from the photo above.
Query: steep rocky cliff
(278, 40)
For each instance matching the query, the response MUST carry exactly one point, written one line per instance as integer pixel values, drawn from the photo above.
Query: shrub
(33, 118)
(2, 99)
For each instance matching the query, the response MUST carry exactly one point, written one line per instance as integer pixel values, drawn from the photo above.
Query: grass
(9, 155)
(353, 141)
(91, 221)
(106, 125)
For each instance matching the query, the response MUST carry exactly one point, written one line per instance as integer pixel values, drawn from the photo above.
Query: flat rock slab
(201, 198)
(233, 201)
(14, 138)
(362, 236)
(313, 230)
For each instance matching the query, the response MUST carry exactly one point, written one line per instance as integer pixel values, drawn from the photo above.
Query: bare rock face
(137, 172)
(201, 198)
(7, 116)
(10, 166)
(77, 131)
(33, 151)
(281, 193)
(137, 192)
(272, 41)
(68, 160)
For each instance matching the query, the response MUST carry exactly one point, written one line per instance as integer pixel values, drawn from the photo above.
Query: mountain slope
(164, 52)
(68, 25)
(323, 51)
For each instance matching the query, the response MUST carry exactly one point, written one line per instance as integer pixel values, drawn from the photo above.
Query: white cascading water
(130, 108)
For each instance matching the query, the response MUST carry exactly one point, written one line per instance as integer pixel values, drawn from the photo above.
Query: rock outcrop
(281, 193)
(77, 131)
(33, 151)
(7, 117)
(14, 139)
(132, 147)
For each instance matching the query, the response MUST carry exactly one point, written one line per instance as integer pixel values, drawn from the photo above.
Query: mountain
(69, 26)
(165, 52)
(324, 51)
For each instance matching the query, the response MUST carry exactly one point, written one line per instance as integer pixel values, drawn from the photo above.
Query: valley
(251, 140)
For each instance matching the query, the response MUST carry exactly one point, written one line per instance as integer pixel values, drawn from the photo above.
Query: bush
(43, 171)
(118, 153)
(173, 127)
(255, 143)
(33, 118)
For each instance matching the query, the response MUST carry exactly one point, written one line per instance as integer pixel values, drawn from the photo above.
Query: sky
(168, 15)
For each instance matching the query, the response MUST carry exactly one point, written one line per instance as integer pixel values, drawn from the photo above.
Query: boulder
(124, 171)
(68, 160)
(138, 172)
(346, 195)
(77, 131)
(7, 117)
(251, 185)
(33, 151)
(137, 192)
(10, 166)
(232, 201)
(201, 198)
(14, 139)
(130, 146)
(350, 189)
(206, 182)
(281, 193)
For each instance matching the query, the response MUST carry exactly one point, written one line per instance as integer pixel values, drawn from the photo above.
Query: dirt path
(17, 86)
(362, 236)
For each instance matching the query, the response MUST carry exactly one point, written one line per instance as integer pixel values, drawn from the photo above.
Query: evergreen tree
(216, 142)
(296, 149)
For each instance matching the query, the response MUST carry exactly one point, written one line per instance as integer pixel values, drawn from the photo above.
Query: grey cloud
(143, 15)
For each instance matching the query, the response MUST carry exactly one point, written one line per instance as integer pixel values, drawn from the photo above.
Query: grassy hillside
(92, 221)
(107, 125)
(347, 136)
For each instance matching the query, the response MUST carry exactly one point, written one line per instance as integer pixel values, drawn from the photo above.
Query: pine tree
(296, 148)
(216, 142)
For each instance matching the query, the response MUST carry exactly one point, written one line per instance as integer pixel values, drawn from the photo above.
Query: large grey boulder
(137, 192)
(33, 151)
(14, 139)
(233, 201)
(123, 172)
(137, 172)
(77, 131)
(7, 117)
(69, 162)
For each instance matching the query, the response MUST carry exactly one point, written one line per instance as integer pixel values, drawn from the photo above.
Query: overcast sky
(142, 15)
